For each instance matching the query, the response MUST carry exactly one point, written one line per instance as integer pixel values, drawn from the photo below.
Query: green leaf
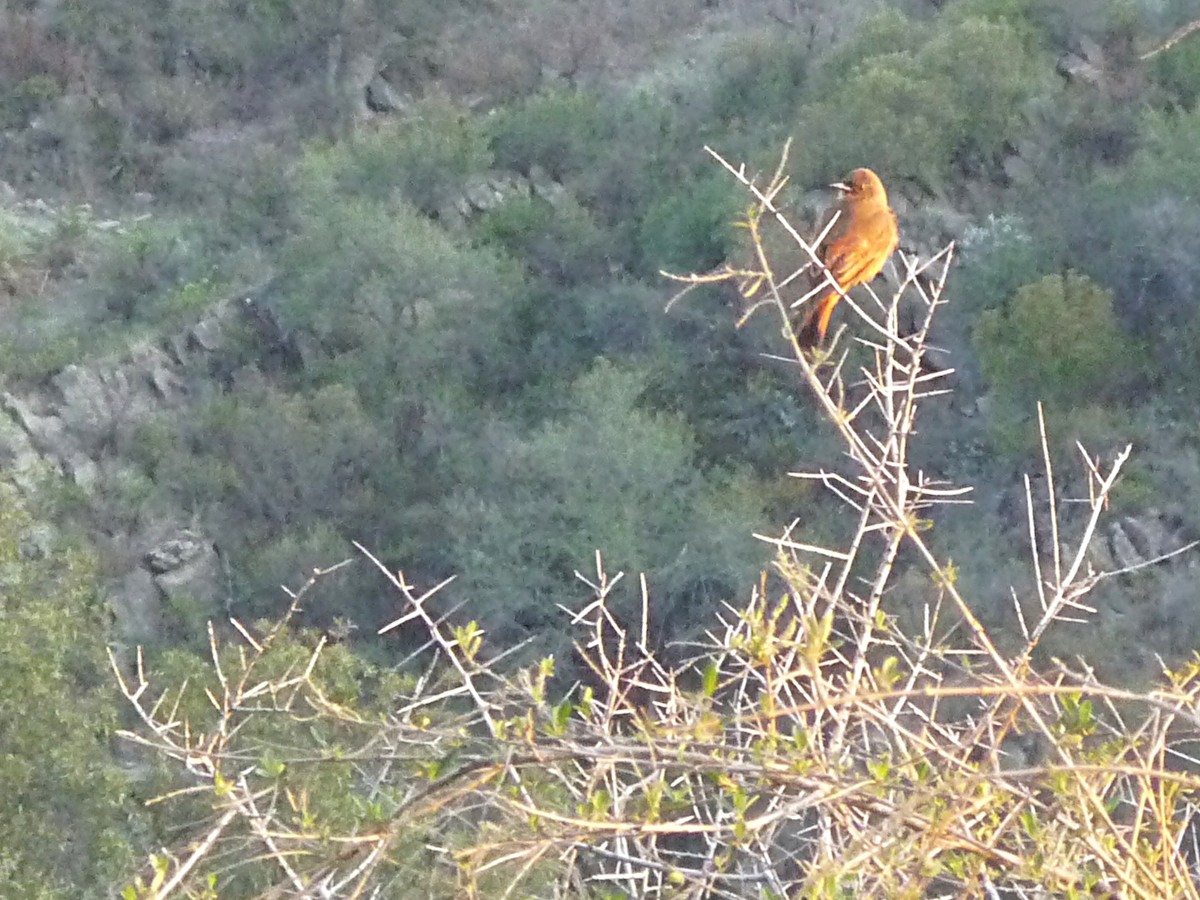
(889, 673)
(270, 767)
(1030, 823)
(562, 715)
(469, 638)
(585, 704)
(161, 866)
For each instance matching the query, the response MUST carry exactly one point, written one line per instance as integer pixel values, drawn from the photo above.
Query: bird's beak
(841, 186)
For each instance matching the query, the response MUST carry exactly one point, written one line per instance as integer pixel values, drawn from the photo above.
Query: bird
(854, 251)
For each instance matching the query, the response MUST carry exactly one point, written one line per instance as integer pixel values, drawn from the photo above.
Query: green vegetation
(1053, 341)
(456, 349)
(815, 702)
(67, 822)
(945, 108)
(604, 475)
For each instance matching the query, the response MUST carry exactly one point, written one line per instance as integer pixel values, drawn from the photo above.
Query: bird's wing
(858, 257)
(848, 258)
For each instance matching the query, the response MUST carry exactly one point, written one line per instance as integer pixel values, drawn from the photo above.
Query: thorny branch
(809, 746)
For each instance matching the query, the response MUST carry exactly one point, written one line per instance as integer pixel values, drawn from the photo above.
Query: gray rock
(176, 346)
(84, 402)
(70, 427)
(1086, 63)
(1123, 550)
(176, 552)
(544, 186)
(95, 400)
(17, 453)
(136, 603)
(451, 217)
(209, 333)
(81, 469)
(45, 432)
(160, 374)
(1150, 534)
(480, 195)
(166, 383)
(382, 97)
(198, 579)
(194, 581)
(1018, 170)
(509, 184)
(38, 541)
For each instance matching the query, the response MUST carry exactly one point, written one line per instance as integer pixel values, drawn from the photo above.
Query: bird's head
(862, 184)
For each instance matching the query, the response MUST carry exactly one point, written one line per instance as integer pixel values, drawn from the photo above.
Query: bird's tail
(816, 321)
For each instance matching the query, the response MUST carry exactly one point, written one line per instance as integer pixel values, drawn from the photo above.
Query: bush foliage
(67, 824)
(489, 387)
(1056, 340)
(855, 698)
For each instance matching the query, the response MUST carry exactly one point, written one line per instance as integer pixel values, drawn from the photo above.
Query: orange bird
(854, 251)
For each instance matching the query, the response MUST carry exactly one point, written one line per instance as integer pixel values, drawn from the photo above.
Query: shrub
(794, 729)
(691, 229)
(559, 241)
(394, 302)
(892, 112)
(608, 475)
(562, 130)
(291, 459)
(888, 30)
(425, 156)
(66, 826)
(324, 795)
(1132, 228)
(556, 334)
(1177, 73)
(648, 154)
(1063, 21)
(991, 72)
(759, 77)
(997, 257)
(20, 104)
(926, 114)
(240, 187)
(142, 265)
(1055, 340)
(284, 559)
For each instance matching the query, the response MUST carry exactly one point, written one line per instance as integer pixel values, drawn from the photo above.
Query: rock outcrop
(78, 423)
(187, 573)
(1132, 541)
(74, 425)
(483, 193)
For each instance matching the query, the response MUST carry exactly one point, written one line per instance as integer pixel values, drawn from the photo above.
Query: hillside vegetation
(283, 277)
